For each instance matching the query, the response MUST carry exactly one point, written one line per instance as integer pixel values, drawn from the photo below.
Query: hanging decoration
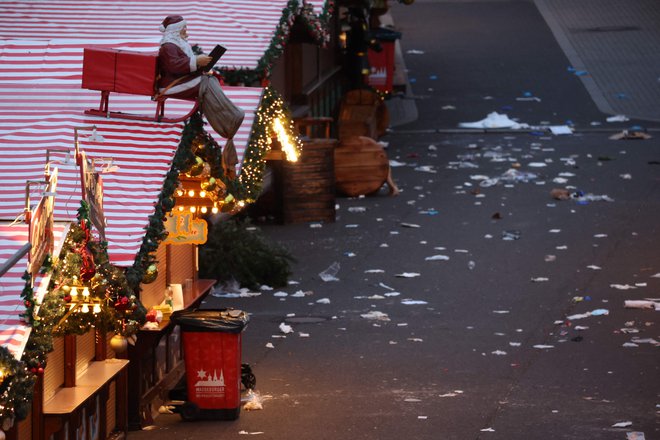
(92, 292)
(318, 25)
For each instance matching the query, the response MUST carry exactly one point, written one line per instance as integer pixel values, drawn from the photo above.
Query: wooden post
(70, 361)
(38, 408)
(100, 345)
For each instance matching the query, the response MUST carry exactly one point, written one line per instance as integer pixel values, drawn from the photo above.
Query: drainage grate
(612, 29)
(306, 319)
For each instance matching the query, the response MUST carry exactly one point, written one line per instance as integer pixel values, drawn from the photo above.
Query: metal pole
(14, 258)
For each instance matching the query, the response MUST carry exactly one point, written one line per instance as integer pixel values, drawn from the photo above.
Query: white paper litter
(618, 118)
(374, 271)
(412, 302)
(498, 353)
(494, 120)
(323, 301)
(543, 347)
(396, 163)
(410, 225)
(407, 275)
(285, 328)
(594, 267)
(622, 286)
(636, 435)
(415, 52)
(622, 424)
(437, 258)
(642, 304)
(376, 316)
(560, 129)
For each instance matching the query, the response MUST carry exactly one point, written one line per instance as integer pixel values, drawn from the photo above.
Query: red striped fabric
(13, 331)
(245, 28)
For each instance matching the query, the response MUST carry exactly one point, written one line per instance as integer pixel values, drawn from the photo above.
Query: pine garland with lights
(318, 25)
(16, 387)
(265, 64)
(254, 162)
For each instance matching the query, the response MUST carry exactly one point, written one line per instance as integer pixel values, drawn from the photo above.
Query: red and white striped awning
(245, 28)
(40, 104)
(13, 331)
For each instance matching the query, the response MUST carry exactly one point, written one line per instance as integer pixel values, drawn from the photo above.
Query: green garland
(317, 25)
(16, 387)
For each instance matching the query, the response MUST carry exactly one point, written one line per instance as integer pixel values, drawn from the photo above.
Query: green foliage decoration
(236, 251)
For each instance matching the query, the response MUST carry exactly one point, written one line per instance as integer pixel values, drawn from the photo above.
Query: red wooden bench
(124, 71)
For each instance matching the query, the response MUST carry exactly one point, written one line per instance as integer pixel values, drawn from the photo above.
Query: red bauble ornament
(40, 370)
(67, 298)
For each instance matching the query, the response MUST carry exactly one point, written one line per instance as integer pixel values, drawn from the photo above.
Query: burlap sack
(224, 116)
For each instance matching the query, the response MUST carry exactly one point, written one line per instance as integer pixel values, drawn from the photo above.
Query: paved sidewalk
(618, 44)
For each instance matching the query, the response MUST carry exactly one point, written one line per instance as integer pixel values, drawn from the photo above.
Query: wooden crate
(309, 184)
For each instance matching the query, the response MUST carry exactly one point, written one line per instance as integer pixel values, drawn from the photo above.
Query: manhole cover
(305, 319)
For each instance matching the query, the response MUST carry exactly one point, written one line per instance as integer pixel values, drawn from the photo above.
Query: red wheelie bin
(212, 355)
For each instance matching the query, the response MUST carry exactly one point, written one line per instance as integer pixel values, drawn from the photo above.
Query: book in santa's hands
(215, 55)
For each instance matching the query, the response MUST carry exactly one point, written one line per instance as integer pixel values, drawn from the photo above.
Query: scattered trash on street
(330, 273)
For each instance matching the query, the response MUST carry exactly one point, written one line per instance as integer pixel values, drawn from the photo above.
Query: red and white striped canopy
(245, 28)
(41, 103)
(13, 331)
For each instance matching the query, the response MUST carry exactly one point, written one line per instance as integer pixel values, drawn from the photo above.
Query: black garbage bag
(224, 320)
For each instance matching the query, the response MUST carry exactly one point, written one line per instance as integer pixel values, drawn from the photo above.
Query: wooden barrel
(309, 184)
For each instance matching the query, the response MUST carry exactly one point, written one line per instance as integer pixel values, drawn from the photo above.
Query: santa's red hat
(172, 23)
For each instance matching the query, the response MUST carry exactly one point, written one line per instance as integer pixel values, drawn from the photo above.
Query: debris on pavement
(407, 275)
(494, 120)
(376, 316)
(642, 304)
(330, 274)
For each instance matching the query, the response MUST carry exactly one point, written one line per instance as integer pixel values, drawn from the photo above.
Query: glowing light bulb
(179, 192)
(97, 308)
(204, 209)
(202, 193)
(74, 291)
(191, 193)
(86, 293)
(193, 209)
(214, 210)
(181, 208)
(85, 308)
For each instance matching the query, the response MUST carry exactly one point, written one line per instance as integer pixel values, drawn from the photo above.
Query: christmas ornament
(150, 274)
(197, 168)
(119, 343)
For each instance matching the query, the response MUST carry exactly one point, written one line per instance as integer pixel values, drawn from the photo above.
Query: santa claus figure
(176, 60)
